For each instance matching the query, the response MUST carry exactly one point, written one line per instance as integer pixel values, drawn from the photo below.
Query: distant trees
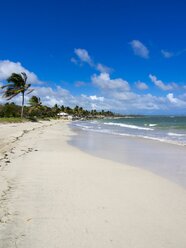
(55, 110)
(17, 85)
(36, 109)
(10, 110)
(80, 112)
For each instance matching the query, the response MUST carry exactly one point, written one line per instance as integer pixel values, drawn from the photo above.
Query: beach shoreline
(55, 195)
(162, 158)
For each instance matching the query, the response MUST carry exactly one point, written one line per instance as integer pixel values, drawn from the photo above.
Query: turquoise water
(170, 129)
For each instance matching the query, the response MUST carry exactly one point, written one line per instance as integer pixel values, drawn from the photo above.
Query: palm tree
(35, 101)
(16, 85)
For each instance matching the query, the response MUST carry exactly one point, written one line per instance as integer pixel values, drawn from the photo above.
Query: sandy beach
(53, 194)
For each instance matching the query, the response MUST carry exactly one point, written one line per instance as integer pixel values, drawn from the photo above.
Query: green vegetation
(12, 120)
(10, 112)
(16, 85)
(83, 113)
(35, 110)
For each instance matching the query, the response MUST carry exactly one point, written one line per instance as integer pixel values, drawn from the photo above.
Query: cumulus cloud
(118, 95)
(141, 85)
(83, 56)
(96, 98)
(139, 49)
(112, 93)
(7, 67)
(51, 96)
(58, 95)
(116, 99)
(171, 98)
(160, 84)
(110, 99)
(104, 81)
(176, 101)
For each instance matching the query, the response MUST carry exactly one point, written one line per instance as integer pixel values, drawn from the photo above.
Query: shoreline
(82, 200)
(164, 159)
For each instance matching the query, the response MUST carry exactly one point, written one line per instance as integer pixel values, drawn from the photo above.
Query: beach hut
(63, 115)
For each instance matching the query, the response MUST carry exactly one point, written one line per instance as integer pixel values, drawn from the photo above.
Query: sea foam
(128, 126)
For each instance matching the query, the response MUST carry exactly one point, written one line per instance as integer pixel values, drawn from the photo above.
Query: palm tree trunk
(23, 101)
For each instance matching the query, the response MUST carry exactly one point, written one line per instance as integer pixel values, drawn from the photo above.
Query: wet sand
(163, 159)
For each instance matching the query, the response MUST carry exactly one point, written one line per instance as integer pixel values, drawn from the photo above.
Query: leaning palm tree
(16, 85)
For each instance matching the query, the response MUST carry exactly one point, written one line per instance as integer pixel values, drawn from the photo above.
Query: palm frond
(16, 84)
(29, 91)
(17, 79)
(10, 93)
(7, 85)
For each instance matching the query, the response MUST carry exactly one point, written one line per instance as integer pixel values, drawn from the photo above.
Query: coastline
(164, 159)
(57, 195)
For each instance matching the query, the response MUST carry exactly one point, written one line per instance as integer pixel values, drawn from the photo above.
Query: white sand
(56, 196)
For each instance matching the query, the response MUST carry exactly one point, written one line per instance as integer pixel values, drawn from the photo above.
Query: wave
(128, 126)
(148, 131)
(152, 125)
(83, 126)
(176, 134)
(163, 140)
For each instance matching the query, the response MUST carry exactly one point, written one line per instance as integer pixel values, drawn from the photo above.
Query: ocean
(169, 129)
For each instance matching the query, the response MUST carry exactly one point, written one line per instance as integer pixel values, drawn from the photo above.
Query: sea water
(170, 129)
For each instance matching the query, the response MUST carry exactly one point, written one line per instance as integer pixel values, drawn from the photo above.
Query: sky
(125, 56)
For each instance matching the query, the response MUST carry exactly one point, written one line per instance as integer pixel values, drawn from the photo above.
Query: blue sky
(127, 56)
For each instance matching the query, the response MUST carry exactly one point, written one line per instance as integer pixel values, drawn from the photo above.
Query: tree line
(17, 84)
(41, 111)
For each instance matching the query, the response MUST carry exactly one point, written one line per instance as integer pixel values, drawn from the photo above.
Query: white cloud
(141, 85)
(50, 96)
(124, 96)
(111, 99)
(176, 101)
(167, 54)
(103, 68)
(96, 98)
(104, 81)
(118, 95)
(115, 99)
(139, 49)
(83, 55)
(8, 67)
(171, 98)
(113, 93)
(162, 85)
